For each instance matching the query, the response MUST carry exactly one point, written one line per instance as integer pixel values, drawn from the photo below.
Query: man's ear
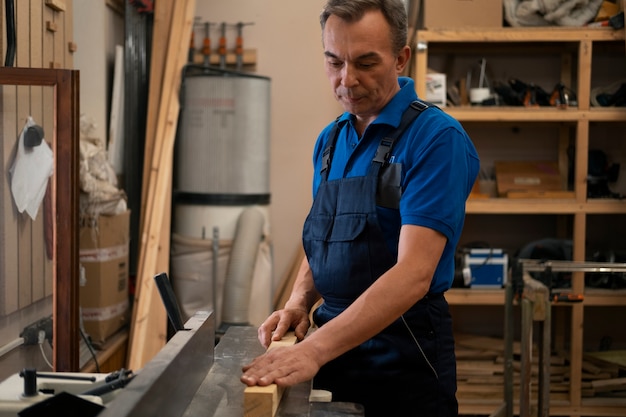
(403, 59)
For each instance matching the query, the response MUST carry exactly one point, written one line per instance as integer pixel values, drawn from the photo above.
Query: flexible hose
(11, 41)
(238, 284)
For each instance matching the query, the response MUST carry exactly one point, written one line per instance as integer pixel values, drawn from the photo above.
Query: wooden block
(51, 26)
(609, 384)
(320, 396)
(57, 5)
(72, 47)
(540, 194)
(263, 401)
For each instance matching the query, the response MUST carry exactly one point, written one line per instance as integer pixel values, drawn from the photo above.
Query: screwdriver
(567, 298)
(239, 44)
(222, 46)
(206, 44)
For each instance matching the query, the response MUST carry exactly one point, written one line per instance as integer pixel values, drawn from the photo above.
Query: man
(381, 235)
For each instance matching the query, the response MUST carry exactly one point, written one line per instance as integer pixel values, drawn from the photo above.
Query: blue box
(485, 268)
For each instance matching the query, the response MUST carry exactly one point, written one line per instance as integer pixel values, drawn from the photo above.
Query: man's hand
(283, 366)
(280, 322)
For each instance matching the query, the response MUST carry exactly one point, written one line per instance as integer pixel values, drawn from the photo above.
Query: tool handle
(169, 300)
(568, 298)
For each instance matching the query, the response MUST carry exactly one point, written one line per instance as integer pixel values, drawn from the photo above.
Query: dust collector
(221, 194)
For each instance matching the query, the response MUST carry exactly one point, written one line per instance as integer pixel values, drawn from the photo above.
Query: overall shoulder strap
(330, 147)
(383, 153)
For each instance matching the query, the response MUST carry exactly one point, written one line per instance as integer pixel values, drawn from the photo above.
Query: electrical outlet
(30, 334)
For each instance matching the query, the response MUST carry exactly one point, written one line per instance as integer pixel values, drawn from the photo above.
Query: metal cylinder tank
(221, 171)
(222, 154)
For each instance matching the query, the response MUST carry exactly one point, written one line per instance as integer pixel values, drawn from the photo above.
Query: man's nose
(349, 77)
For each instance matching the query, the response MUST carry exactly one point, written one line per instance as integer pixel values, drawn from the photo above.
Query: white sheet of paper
(29, 174)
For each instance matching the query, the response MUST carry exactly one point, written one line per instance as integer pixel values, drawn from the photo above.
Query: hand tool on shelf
(206, 44)
(221, 50)
(239, 44)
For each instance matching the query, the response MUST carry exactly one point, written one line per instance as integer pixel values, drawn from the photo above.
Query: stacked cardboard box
(455, 14)
(104, 300)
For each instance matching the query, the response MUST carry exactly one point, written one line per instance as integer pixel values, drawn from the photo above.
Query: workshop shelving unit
(582, 59)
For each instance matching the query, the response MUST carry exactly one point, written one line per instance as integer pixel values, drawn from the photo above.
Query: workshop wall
(287, 38)
(44, 39)
(98, 29)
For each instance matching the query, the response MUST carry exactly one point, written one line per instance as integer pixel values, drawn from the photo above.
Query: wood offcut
(263, 401)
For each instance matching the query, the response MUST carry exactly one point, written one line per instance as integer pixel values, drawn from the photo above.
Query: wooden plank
(263, 401)
(162, 22)
(59, 40)
(611, 358)
(9, 236)
(48, 123)
(38, 238)
(163, 16)
(603, 385)
(148, 313)
(540, 194)
(22, 59)
(57, 5)
(538, 294)
(68, 35)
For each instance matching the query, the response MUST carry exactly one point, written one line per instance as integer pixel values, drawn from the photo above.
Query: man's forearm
(303, 295)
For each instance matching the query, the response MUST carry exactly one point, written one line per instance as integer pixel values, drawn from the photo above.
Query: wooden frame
(64, 191)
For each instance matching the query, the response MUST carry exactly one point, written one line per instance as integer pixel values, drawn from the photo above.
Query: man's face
(361, 65)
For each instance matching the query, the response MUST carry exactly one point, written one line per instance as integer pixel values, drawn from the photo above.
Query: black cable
(90, 347)
(11, 40)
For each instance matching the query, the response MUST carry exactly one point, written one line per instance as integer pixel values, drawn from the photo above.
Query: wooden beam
(149, 322)
(263, 401)
(56, 5)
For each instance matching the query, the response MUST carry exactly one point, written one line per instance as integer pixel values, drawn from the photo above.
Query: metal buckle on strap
(383, 151)
(419, 105)
(326, 158)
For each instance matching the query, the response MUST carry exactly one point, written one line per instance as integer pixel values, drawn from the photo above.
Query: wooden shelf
(534, 114)
(525, 34)
(543, 206)
(575, 51)
(486, 297)
(468, 296)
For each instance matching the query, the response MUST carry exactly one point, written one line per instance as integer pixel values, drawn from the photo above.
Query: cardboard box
(104, 304)
(436, 89)
(486, 268)
(457, 14)
(527, 176)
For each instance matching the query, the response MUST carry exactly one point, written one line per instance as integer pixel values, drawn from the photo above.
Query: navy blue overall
(347, 251)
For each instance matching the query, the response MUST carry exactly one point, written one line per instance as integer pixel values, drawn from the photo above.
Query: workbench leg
(526, 358)
(508, 349)
(544, 362)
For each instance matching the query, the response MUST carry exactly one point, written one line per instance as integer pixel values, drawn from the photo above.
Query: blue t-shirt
(438, 165)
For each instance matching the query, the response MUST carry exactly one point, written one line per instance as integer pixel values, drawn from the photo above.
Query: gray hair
(394, 12)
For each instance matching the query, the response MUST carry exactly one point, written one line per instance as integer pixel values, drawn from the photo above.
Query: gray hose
(240, 270)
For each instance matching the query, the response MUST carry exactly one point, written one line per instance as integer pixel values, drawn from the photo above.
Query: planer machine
(191, 376)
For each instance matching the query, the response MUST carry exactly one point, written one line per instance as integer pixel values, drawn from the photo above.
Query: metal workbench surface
(221, 392)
